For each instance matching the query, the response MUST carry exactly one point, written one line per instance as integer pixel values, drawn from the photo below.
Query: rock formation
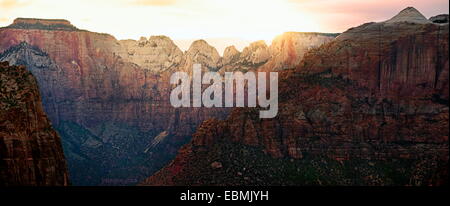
(230, 55)
(410, 15)
(257, 53)
(288, 49)
(47, 24)
(200, 52)
(440, 19)
(30, 149)
(375, 97)
(158, 53)
(109, 99)
(107, 109)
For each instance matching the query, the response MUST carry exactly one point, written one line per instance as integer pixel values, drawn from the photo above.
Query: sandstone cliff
(109, 99)
(368, 108)
(158, 53)
(30, 150)
(46, 24)
(107, 108)
(288, 49)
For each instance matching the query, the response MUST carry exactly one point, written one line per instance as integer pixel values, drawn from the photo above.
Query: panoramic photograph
(199, 93)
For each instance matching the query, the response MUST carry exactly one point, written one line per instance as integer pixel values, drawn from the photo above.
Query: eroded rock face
(30, 149)
(109, 99)
(200, 52)
(231, 55)
(377, 85)
(257, 53)
(107, 109)
(410, 15)
(377, 93)
(287, 50)
(157, 54)
(440, 19)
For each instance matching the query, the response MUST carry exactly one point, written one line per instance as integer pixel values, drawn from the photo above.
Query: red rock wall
(30, 150)
(377, 95)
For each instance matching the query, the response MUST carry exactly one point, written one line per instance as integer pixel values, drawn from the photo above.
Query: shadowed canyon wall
(30, 149)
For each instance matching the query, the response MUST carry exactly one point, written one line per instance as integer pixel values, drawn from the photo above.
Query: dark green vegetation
(43, 26)
(110, 144)
(325, 79)
(245, 165)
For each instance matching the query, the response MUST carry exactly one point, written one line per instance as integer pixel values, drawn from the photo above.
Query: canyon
(108, 99)
(228, 90)
(368, 108)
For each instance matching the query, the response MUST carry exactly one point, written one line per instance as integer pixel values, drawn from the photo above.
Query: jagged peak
(294, 34)
(203, 53)
(259, 43)
(230, 50)
(256, 53)
(159, 41)
(142, 39)
(159, 37)
(202, 46)
(409, 14)
(199, 43)
(230, 54)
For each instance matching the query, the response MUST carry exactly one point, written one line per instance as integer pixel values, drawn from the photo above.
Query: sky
(220, 22)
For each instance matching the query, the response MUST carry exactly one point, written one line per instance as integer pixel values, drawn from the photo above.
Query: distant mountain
(368, 108)
(30, 149)
(410, 15)
(109, 99)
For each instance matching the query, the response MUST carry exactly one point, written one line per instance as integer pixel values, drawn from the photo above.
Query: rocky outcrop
(257, 53)
(285, 52)
(30, 149)
(377, 94)
(230, 55)
(200, 52)
(288, 49)
(47, 24)
(410, 15)
(157, 54)
(440, 19)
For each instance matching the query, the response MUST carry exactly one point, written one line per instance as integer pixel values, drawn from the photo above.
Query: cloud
(3, 20)
(338, 15)
(8, 7)
(155, 2)
(370, 8)
(11, 4)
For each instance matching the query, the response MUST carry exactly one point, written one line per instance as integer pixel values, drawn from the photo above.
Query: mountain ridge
(102, 94)
(370, 108)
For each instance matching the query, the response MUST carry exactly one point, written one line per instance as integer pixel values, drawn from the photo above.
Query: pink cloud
(338, 15)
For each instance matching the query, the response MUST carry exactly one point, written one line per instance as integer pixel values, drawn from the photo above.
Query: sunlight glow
(245, 20)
